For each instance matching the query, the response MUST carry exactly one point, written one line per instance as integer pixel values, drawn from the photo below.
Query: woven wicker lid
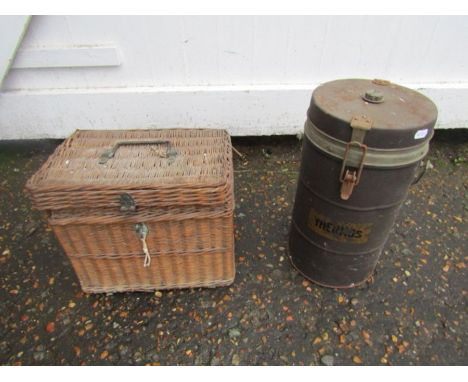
(159, 167)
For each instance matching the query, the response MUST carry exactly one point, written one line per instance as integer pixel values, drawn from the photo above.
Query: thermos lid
(399, 117)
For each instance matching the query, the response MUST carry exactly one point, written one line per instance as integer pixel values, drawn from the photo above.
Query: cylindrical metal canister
(364, 141)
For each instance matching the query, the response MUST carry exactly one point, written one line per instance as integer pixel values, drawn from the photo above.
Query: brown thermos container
(364, 141)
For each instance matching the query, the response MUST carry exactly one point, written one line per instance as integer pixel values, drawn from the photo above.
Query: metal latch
(360, 125)
(142, 231)
(127, 203)
(349, 179)
(381, 82)
(348, 183)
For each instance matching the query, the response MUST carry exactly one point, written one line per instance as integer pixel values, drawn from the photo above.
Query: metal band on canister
(389, 158)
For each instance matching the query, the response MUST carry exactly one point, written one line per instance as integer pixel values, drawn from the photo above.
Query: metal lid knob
(373, 96)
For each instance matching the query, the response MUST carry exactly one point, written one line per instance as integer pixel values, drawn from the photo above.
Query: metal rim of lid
(388, 158)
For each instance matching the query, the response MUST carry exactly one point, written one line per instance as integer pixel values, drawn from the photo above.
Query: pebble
(357, 360)
(39, 356)
(235, 360)
(276, 274)
(327, 360)
(3, 346)
(104, 354)
(137, 356)
(353, 335)
(155, 357)
(215, 361)
(407, 252)
(232, 323)
(50, 327)
(354, 301)
(198, 361)
(203, 358)
(233, 333)
(111, 345)
(123, 351)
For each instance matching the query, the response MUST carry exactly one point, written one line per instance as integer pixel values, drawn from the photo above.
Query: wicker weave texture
(123, 274)
(180, 183)
(191, 169)
(166, 237)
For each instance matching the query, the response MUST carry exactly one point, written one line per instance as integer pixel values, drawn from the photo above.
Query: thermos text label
(338, 231)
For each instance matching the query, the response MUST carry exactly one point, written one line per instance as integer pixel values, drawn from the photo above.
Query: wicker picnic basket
(141, 210)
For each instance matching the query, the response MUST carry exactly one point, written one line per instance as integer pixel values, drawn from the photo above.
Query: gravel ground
(412, 312)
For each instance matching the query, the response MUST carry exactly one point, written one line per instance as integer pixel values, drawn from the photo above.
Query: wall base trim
(242, 110)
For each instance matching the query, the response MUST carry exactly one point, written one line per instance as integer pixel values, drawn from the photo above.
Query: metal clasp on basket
(127, 203)
(349, 179)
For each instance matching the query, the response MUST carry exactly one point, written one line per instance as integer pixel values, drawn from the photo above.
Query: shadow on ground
(413, 312)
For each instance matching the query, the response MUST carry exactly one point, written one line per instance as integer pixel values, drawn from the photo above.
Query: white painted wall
(12, 29)
(251, 75)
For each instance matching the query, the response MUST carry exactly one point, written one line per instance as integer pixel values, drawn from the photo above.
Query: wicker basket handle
(108, 154)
